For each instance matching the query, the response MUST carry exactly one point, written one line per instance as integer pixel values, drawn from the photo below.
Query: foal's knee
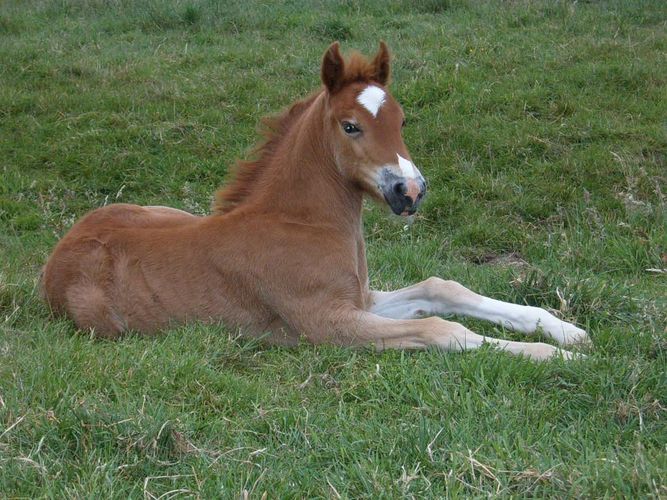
(437, 287)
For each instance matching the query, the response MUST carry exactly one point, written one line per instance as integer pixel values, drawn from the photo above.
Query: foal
(283, 253)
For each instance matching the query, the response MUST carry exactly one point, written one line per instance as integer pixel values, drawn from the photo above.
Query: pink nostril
(413, 190)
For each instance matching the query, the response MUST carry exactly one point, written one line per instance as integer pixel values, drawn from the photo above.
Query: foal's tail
(41, 290)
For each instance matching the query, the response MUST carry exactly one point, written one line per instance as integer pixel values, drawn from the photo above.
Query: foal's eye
(403, 123)
(350, 128)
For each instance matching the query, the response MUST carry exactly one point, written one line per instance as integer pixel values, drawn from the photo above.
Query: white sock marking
(371, 98)
(527, 319)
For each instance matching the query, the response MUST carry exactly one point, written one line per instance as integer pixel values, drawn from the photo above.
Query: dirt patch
(512, 259)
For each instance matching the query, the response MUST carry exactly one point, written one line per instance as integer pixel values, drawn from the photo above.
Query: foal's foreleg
(368, 328)
(437, 296)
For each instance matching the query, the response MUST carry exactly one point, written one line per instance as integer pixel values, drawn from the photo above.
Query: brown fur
(283, 252)
(246, 173)
(125, 267)
(357, 69)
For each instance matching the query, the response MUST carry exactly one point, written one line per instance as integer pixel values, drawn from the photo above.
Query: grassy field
(541, 127)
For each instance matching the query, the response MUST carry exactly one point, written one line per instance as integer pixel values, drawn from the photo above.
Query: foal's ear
(333, 68)
(381, 65)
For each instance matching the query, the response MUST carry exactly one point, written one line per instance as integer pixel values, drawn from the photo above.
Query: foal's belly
(156, 287)
(156, 290)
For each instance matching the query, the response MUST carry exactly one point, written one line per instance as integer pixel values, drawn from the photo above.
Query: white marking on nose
(408, 168)
(371, 98)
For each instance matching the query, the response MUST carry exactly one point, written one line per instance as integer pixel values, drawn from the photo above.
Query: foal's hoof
(539, 351)
(573, 335)
(565, 333)
(568, 355)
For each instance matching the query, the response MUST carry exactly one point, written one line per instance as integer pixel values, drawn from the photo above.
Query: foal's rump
(89, 269)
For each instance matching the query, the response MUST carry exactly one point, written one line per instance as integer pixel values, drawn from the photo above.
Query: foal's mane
(245, 173)
(274, 129)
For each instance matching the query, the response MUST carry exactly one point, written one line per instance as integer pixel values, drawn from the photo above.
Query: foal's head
(365, 122)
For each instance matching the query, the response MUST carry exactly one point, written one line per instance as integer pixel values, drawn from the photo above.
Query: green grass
(541, 129)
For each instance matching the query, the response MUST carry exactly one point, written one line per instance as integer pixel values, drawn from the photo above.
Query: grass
(541, 129)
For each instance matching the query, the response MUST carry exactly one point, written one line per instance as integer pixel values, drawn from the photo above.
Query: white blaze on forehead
(371, 98)
(407, 167)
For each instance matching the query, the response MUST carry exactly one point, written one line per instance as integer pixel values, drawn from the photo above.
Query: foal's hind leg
(437, 296)
(90, 308)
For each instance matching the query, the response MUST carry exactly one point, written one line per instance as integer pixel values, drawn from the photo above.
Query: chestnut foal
(283, 253)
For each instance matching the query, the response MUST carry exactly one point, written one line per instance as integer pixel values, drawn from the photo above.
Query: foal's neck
(303, 182)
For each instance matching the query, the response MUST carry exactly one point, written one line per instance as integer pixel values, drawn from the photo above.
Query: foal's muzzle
(404, 195)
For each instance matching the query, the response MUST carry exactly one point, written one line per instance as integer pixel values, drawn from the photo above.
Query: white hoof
(569, 334)
(543, 352)
(562, 332)
(568, 355)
